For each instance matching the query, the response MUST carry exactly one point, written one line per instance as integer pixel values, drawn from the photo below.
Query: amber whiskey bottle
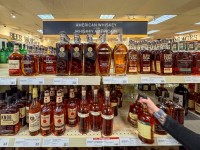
(62, 53)
(59, 116)
(72, 110)
(95, 113)
(120, 57)
(34, 114)
(107, 116)
(41, 96)
(146, 126)
(47, 116)
(52, 97)
(114, 100)
(192, 96)
(35, 53)
(83, 115)
(28, 103)
(196, 58)
(14, 62)
(153, 47)
(76, 54)
(90, 56)
(104, 56)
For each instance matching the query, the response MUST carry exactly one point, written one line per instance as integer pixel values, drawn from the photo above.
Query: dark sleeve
(183, 135)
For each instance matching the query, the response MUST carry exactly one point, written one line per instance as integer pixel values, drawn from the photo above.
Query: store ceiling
(26, 11)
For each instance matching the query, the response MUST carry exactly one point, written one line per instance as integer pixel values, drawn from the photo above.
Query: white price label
(65, 81)
(31, 81)
(112, 141)
(192, 79)
(56, 142)
(167, 141)
(115, 80)
(129, 142)
(4, 142)
(7, 81)
(94, 142)
(153, 80)
(33, 142)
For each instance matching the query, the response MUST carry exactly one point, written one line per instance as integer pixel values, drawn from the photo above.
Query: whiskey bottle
(120, 57)
(35, 53)
(76, 53)
(157, 58)
(191, 97)
(41, 96)
(119, 95)
(34, 114)
(62, 52)
(196, 58)
(153, 47)
(53, 97)
(72, 110)
(160, 90)
(90, 56)
(28, 103)
(2, 100)
(83, 115)
(104, 56)
(107, 116)
(114, 100)
(179, 112)
(146, 126)
(41, 60)
(95, 113)
(14, 62)
(59, 116)
(47, 116)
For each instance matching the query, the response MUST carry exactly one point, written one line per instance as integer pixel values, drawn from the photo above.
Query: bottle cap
(59, 93)
(35, 93)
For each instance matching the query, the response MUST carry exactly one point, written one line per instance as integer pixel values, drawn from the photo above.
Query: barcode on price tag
(167, 141)
(115, 80)
(113, 141)
(94, 142)
(31, 81)
(129, 142)
(153, 80)
(56, 142)
(7, 81)
(33, 142)
(4, 142)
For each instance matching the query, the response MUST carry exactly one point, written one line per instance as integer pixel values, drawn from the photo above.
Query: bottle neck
(120, 39)
(107, 101)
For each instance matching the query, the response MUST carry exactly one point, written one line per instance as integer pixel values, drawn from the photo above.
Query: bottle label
(10, 119)
(61, 52)
(153, 66)
(46, 100)
(146, 57)
(168, 58)
(133, 118)
(107, 117)
(179, 98)
(197, 107)
(34, 122)
(146, 69)
(167, 70)
(191, 103)
(144, 129)
(59, 122)
(59, 100)
(81, 115)
(93, 113)
(90, 53)
(158, 67)
(114, 104)
(72, 113)
(27, 114)
(132, 69)
(45, 122)
(77, 53)
(121, 53)
(22, 112)
(14, 64)
(145, 87)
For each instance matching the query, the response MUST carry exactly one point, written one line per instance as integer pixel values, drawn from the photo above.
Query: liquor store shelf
(123, 135)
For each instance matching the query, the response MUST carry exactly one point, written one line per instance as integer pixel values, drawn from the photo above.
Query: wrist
(160, 115)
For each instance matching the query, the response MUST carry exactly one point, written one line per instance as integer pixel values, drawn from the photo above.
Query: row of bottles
(54, 108)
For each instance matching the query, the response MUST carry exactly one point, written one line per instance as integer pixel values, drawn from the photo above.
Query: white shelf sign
(27, 142)
(167, 141)
(129, 142)
(94, 142)
(192, 79)
(4, 142)
(7, 81)
(55, 142)
(65, 81)
(153, 80)
(115, 80)
(112, 141)
(31, 81)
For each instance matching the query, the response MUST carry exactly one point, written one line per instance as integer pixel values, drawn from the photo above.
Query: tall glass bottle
(76, 61)
(107, 116)
(41, 96)
(90, 56)
(196, 58)
(9, 50)
(153, 47)
(3, 53)
(28, 103)
(120, 57)
(104, 56)
(114, 100)
(53, 97)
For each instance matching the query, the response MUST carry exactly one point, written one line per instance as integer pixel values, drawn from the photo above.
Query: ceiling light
(184, 32)
(46, 16)
(198, 23)
(162, 19)
(107, 16)
(40, 30)
(13, 16)
(152, 31)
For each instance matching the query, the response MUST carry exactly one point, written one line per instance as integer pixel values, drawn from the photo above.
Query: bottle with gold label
(46, 116)
(120, 57)
(34, 114)
(146, 126)
(59, 116)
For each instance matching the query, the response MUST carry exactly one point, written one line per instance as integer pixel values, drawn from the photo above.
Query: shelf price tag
(30, 142)
(112, 141)
(7, 81)
(167, 141)
(94, 142)
(153, 80)
(115, 80)
(4, 142)
(65, 81)
(129, 142)
(55, 142)
(192, 79)
(31, 81)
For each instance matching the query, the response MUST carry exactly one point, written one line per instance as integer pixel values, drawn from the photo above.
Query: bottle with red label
(46, 116)
(72, 110)
(114, 100)
(83, 115)
(53, 97)
(59, 116)
(107, 116)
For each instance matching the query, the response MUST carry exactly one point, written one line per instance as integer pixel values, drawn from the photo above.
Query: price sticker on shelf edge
(7, 81)
(192, 79)
(115, 80)
(94, 142)
(65, 81)
(4, 142)
(112, 141)
(30, 142)
(129, 142)
(153, 80)
(31, 81)
(167, 141)
(55, 142)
